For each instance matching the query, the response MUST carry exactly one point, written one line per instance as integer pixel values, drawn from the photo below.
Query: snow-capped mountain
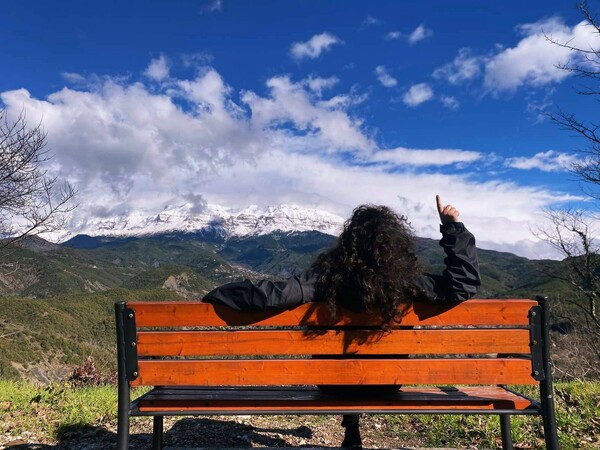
(225, 222)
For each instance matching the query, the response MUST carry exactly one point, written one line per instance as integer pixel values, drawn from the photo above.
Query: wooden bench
(211, 360)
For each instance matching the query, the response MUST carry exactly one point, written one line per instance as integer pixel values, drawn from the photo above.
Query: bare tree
(585, 65)
(572, 231)
(31, 201)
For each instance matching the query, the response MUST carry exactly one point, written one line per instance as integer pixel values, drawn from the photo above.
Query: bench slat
(336, 371)
(190, 314)
(311, 399)
(290, 342)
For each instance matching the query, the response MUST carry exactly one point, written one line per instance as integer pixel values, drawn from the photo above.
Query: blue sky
(323, 104)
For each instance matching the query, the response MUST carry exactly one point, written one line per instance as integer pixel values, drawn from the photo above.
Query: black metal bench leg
(123, 386)
(546, 390)
(123, 431)
(549, 420)
(157, 433)
(506, 432)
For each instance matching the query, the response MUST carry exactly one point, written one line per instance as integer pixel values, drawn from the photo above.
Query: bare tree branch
(31, 201)
(571, 231)
(585, 64)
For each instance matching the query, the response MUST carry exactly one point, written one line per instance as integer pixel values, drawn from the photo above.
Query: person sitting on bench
(372, 267)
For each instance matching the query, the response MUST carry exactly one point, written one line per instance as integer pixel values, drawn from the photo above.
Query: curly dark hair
(372, 267)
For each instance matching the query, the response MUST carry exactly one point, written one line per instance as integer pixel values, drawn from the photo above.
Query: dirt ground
(220, 432)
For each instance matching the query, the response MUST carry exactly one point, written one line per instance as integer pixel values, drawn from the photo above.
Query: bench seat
(218, 400)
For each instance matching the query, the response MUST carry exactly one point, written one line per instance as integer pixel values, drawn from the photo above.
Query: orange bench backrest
(194, 343)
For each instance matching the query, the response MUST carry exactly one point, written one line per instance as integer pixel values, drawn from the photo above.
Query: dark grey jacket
(458, 281)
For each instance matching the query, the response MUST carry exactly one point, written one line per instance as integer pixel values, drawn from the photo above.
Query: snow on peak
(227, 222)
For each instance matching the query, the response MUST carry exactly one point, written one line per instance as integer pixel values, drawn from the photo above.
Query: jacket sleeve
(247, 296)
(460, 279)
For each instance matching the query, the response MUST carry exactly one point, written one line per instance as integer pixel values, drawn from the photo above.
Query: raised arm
(460, 279)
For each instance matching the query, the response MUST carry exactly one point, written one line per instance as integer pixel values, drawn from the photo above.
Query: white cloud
(450, 102)
(318, 84)
(417, 94)
(128, 145)
(538, 102)
(198, 60)
(212, 6)
(532, 249)
(534, 60)
(123, 142)
(419, 34)
(370, 21)
(418, 157)
(393, 35)
(208, 92)
(315, 46)
(73, 78)
(158, 69)
(329, 126)
(463, 68)
(497, 212)
(549, 161)
(384, 77)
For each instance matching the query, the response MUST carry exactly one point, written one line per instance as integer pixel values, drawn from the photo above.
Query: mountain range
(208, 219)
(191, 263)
